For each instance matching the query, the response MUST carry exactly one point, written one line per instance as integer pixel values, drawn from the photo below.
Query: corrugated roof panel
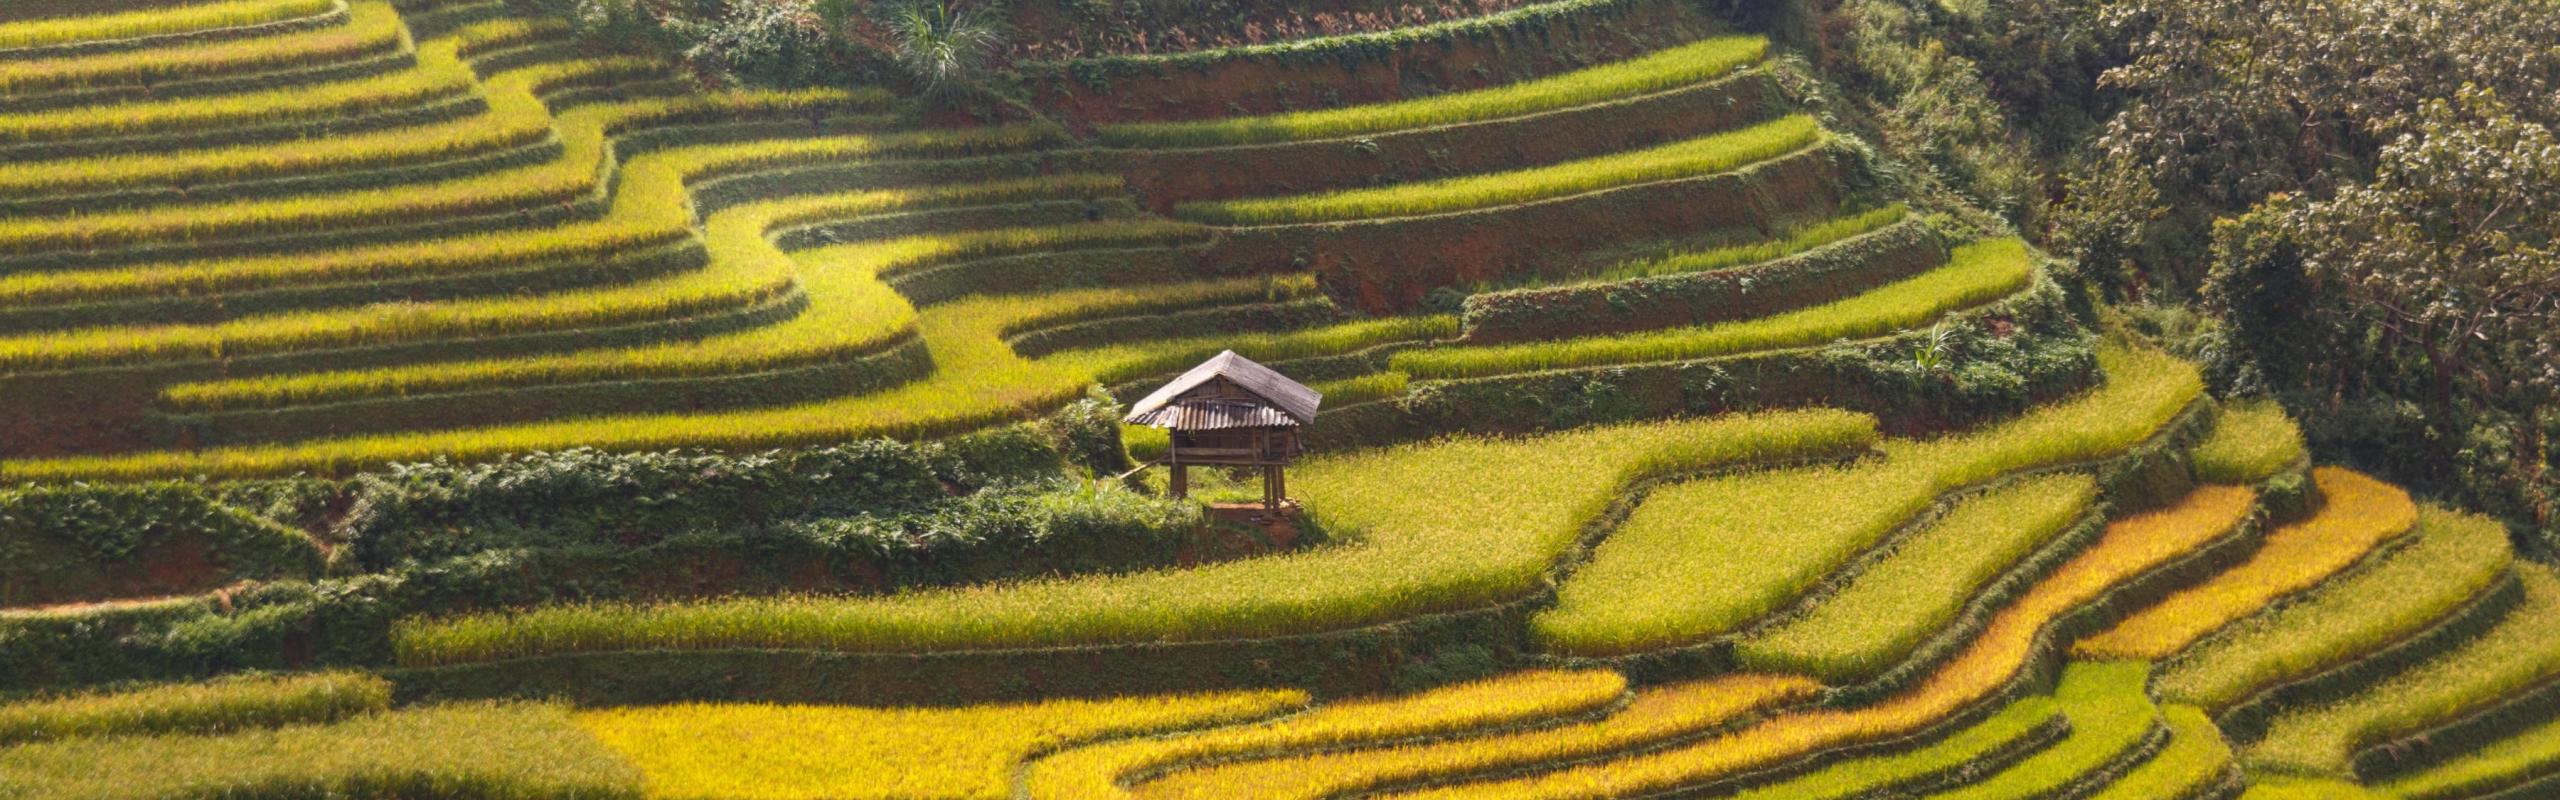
(1210, 415)
(1290, 396)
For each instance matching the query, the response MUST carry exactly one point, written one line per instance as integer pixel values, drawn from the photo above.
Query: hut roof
(1290, 397)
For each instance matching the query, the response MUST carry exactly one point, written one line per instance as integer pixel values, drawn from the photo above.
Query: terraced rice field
(1683, 494)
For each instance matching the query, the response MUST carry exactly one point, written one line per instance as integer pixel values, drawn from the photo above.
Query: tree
(2434, 285)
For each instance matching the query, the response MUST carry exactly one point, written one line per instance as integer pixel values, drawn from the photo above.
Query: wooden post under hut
(1231, 412)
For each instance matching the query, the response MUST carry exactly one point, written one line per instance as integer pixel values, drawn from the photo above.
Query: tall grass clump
(1098, 772)
(1654, 715)
(510, 751)
(1977, 273)
(2251, 442)
(2455, 558)
(1665, 69)
(1400, 555)
(1703, 559)
(1887, 610)
(2361, 514)
(226, 704)
(2110, 717)
(2009, 644)
(2508, 659)
(803, 751)
(156, 21)
(1797, 240)
(1705, 155)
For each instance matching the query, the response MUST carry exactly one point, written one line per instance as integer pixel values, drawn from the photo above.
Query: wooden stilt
(1181, 481)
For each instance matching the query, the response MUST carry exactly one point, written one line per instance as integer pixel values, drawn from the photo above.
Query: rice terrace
(1316, 399)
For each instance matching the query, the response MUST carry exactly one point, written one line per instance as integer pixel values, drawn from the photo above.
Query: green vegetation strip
(1665, 69)
(2455, 558)
(235, 703)
(1977, 273)
(2110, 718)
(1703, 559)
(1401, 553)
(476, 750)
(2251, 442)
(2506, 660)
(1705, 155)
(1887, 610)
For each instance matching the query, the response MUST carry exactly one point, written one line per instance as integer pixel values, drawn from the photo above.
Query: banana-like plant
(943, 42)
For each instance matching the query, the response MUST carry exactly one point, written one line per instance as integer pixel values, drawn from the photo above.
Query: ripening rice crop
(1665, 69)
(372, 27)
(1655, 715)
(2017, 724)
(156, 21)
(2498, 765)
(1977, 273)
(2194, 760)
(432, 79)
(511, 750)
(2008, 644)
(1115, 363)
(2510, 658)
(1366, 388)
(1701, 560)
(2109, 717)
(1705, 155)
(2454, 559)
(651, 198)
(2251, 442)
(1399, 554)
(1888, 609)
(2360, 514)
(1098, 772)
(807, 752)
(226, 704)
(1794, 241)
(978, 381)
(851, 312)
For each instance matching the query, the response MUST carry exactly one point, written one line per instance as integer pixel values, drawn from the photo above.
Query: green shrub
(82, 541)
(228, 704)
(437, 510)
